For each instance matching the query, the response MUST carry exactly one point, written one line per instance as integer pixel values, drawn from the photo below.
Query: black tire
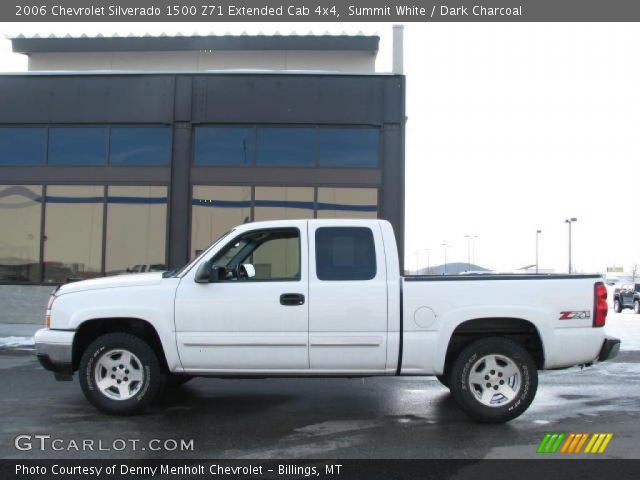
(151, 384)
(176, 381)
(636, 306)
(617, 306)
(466, 398)
(444, 380)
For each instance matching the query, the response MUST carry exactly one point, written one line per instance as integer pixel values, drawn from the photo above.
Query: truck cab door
(254, 316)
(347, 297)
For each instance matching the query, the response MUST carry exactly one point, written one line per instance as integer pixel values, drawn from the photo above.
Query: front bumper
(610, 349)
(54, 351)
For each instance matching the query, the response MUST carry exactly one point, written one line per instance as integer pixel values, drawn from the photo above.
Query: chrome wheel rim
(495, 380)
(119, 374)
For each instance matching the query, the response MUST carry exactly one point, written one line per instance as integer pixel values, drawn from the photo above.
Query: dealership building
(135, 153)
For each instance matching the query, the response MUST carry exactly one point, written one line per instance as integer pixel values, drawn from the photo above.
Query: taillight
(600, 307)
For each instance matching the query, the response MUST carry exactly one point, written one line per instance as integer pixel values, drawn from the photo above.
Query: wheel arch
(518, 329)
(89, 330)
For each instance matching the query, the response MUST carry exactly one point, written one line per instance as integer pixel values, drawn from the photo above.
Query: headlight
(47, 316)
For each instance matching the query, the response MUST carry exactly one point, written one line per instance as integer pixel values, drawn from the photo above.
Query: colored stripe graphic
(573, 443)
(550, 443)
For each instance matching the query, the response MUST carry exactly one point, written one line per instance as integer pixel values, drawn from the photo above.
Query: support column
(180, 186)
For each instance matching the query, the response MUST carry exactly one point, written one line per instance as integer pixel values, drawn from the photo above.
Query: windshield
(186, 267)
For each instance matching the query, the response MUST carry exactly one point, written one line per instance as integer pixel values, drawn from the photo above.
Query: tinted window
(77, 146)
(224, 146)
(286, 146)
(349, 147)
(22, 146)
(345, 253)
(139, 145)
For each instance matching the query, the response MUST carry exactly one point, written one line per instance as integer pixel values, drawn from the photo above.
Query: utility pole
(570, 221)
(538, 232)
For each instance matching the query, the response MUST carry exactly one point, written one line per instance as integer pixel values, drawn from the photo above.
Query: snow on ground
(16, 342)
(625, 326)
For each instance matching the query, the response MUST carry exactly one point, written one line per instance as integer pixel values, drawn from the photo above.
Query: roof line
(196, 72)
(197, 43)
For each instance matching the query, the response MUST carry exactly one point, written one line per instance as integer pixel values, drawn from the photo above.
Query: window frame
(235, 239)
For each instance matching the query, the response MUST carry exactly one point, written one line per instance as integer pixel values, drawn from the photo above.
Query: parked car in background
(157, 267)
(627, 296)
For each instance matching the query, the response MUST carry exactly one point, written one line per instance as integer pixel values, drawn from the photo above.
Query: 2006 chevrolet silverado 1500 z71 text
(321, 298)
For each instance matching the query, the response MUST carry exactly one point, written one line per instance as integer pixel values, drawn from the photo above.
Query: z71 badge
(582, 315)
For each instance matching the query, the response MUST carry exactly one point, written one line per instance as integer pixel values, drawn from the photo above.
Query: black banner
(319, 11)
(328, 469)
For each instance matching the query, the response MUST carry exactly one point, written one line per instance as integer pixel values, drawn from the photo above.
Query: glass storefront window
(136, 229)
(77, 146)
(349, 147)
(223, 146)
(288, 147)
(22, 146)
(347, 203)
(20, 217)
(216, 209)
(73, 233)
(279, 203)
(139, 146)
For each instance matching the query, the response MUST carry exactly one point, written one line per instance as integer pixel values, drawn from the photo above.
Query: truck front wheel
(617, 306)
(494, 380)
(120, 374)
(636, 306)
(444, 380)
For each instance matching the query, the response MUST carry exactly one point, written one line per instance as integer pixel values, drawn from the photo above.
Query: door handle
(292, 299)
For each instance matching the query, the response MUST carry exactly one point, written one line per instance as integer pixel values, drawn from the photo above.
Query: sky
(512, 128)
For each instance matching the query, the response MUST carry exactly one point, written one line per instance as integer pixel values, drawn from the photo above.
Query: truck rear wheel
(120, 374)
(494, 380)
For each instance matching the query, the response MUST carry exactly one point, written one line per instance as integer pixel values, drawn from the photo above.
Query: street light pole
(569, 221)
(445, 245)
(428, 260)
(468, 237)
(470, 246)
(538, 232)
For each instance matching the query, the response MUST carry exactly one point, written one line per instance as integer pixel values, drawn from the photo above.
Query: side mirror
(203, 274)
(208, 273)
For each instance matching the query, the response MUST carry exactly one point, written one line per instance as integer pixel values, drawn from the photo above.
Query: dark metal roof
(196, 43)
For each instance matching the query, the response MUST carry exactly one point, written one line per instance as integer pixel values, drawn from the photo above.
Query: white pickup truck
(305, 298)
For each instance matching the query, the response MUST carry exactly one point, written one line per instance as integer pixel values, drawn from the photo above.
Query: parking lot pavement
(396, 417)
